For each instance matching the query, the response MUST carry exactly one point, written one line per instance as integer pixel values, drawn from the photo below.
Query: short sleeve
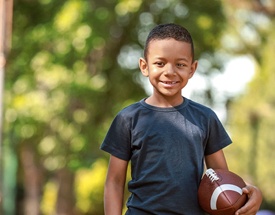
(118, 138)
(217, 137)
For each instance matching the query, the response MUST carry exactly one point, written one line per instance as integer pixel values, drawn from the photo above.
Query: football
(220, 192)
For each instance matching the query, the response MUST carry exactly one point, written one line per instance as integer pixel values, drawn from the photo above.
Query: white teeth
(169, 82)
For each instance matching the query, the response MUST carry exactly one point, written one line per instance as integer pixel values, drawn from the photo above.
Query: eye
(180, 65)
(159, 63)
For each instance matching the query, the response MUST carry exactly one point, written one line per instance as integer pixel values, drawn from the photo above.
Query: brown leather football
(220, 192)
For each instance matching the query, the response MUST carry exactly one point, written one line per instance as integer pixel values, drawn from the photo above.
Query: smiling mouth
(169, 82)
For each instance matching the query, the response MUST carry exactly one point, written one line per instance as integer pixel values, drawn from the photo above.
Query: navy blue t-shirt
(166, 147)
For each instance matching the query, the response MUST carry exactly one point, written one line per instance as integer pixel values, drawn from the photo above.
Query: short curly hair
(167, 31)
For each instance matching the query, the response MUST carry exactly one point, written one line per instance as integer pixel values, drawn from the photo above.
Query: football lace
(211, 174)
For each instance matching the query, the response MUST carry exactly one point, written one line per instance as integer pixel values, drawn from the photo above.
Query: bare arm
(216, 160)
(114, 186)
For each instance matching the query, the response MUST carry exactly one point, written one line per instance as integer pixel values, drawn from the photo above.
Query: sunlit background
(74, 64)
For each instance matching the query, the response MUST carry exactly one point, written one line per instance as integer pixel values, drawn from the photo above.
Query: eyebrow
(184, 59)
(178, 59)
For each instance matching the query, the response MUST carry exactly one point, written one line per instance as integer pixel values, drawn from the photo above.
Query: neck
(164, 102)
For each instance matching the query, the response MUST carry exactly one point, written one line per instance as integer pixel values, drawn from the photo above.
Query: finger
(249, 189)
(242, 210)
(253, 203)
(245, 190)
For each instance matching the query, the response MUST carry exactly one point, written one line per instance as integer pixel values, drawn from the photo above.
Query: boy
(166, 136)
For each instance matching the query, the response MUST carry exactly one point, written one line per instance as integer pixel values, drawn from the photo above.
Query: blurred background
(73, 64)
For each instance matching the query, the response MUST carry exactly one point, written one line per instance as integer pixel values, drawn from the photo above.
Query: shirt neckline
(165, 109)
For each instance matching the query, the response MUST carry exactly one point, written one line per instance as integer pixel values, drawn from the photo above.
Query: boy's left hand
(254, 201)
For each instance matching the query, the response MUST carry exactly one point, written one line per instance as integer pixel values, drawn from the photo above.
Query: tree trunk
(65, 204)
(32, 180)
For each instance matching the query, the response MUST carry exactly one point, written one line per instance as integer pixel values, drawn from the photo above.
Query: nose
(169, 69)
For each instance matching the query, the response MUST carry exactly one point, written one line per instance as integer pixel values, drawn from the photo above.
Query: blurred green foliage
(251, 114)
(252, 123)
(72, 67)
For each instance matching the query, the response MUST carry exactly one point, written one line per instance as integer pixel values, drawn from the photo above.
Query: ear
(143, 67)
(193, 68)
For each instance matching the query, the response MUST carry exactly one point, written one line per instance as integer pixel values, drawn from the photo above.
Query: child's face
(169, 66)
